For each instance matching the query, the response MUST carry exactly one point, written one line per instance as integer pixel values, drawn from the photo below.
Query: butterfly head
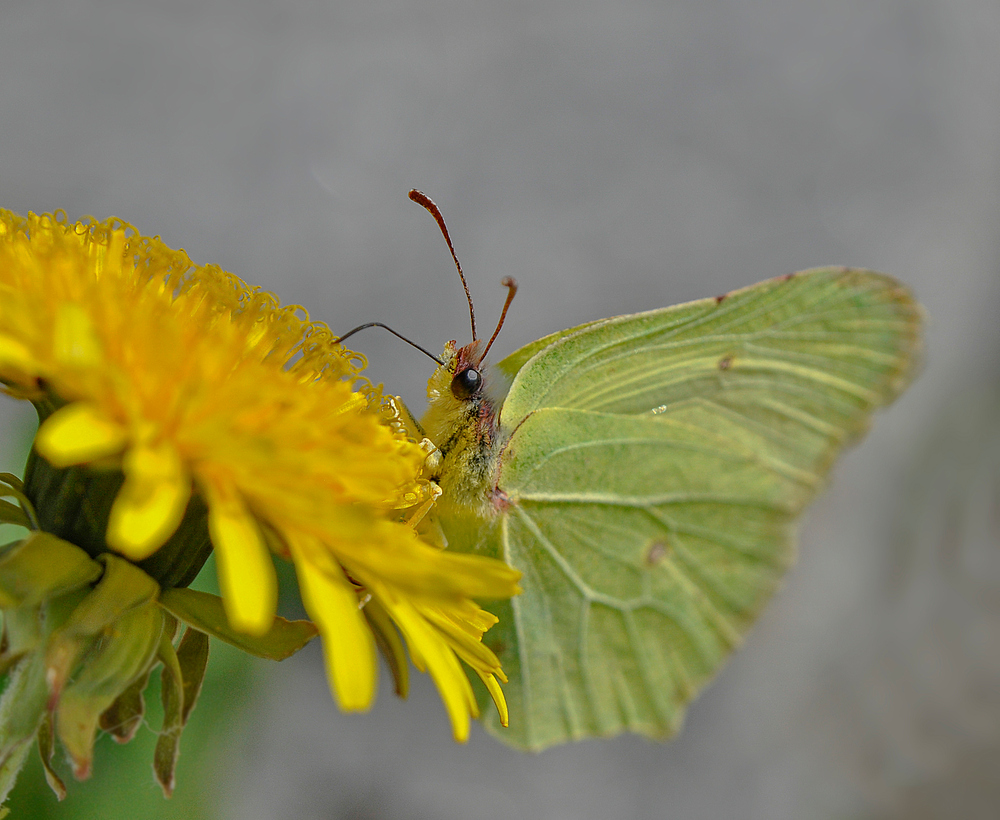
(467, 377)
(457, 392)
(459, 378)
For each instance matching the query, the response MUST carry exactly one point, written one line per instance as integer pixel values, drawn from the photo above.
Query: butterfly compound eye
(466, 384)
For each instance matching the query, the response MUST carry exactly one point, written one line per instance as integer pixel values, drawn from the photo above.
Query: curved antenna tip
(422, 199)
(510, 283)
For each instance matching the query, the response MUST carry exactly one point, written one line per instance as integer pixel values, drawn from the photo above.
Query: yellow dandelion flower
(183, 411)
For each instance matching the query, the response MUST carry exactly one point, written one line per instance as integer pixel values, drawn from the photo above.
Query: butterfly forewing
(851, 329)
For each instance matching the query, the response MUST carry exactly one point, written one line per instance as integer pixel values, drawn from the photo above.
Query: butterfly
(646, 474)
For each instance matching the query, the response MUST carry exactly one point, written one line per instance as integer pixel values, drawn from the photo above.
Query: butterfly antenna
(511, 284)
(422, 199)
(340, 339)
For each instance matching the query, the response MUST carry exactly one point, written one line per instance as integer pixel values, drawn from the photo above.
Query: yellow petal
(469, 648)
(75, 343)
(15, 359)
(408, 563)
(151, 502)
(78, 433)
(348, 644)
(493, 687)
(247, 579)
(443, 666)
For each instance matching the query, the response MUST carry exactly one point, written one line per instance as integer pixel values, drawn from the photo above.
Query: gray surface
(613, 157)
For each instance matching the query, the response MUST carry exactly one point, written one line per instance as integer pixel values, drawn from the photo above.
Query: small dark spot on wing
(720, 298)
(656, 552)
(726, 362)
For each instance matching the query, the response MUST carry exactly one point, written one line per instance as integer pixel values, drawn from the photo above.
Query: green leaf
(652, 470)
(205, 613)
(41, 567)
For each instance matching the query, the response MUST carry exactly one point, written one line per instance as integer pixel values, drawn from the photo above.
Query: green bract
(80, 637)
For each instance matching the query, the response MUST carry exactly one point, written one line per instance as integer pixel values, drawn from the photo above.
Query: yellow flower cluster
(190, 382)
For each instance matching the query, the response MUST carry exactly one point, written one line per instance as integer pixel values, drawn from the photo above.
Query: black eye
(466, 384)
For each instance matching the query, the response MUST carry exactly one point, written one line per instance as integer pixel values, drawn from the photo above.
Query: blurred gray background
(613, 157)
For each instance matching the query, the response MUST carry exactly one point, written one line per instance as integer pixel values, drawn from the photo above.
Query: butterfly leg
(425, 507)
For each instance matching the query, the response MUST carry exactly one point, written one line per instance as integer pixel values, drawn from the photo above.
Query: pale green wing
(510, 365)
(850, 325)
(657, 467)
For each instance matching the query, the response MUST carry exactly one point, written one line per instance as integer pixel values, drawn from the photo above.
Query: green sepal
(24, 701)
(205, 613)
(192, 655)
(123, 718)
(172, 698)
(122, 588)
(8, 660)
(181, 680)
(13, 514)
(12, 481)
(390, 645)
(21, 708)
(46, 748)
(12, 487)
(43, 566)
(23, 633)
(28, 628)
(118, 658)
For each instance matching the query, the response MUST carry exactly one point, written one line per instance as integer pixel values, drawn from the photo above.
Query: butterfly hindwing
(642, 579)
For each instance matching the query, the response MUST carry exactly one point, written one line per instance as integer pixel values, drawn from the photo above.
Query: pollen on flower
(194, 386)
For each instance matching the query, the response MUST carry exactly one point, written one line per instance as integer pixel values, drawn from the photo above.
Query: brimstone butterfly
(646, 473)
